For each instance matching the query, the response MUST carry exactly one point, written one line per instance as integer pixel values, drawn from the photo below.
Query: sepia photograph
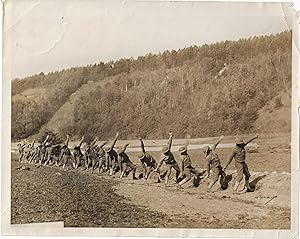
(149, 115)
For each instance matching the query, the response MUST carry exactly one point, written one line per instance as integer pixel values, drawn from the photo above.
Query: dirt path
(81, 199)
(267, 207)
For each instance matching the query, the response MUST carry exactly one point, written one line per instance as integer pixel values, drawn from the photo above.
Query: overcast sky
(50, 35)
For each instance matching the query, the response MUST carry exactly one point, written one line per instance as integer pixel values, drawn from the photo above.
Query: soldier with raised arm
(42, 150)
(239, 154)
(214, 165)
(101, 155)
(65, 154)
(147, 161)
(113, 157)
(30, 153)
(78, 155)
(90, 154)
(125, 162)
(21, 147)
(186, 168)
(169, 160)
(49, 146)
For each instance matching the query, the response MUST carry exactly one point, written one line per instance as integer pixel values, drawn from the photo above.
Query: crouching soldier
(125, 163)
(186, 168)
(148, 162)
(169, 160)
(214, 165)
(77, 154)
(239, 154)
(112, 157)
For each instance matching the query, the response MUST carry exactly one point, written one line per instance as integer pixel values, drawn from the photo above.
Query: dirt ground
(81, 199)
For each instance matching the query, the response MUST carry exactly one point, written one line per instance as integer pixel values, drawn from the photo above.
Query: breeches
(188, 171)
(241, 169)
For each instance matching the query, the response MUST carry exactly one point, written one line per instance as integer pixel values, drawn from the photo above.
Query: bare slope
(276, 115)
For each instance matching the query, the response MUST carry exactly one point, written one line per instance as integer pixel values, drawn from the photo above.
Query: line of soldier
(111, 161)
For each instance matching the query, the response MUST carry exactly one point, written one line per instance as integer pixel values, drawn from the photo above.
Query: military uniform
(78, 155)
(102, 158)
(188, 169)
(169, 161)
(147, 161)
(65, 156)
(215, 165)
(112, 157)
(239, 154)
(125, 162)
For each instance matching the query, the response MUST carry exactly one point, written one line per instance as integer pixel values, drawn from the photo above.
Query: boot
(133, 175)
(166, 181)
(110, 171)
(183, 181)
(247, 186)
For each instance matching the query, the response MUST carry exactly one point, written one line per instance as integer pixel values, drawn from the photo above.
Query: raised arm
(217, 143)
(45, 141)
(32, 146)
(125, 146)
(160, 162)
(94, 141)
(142, 145)
(169, 145)
(230, 159)
(67, 140)
(104, 143)
(114, 142)
(247, 142)
(81, 142)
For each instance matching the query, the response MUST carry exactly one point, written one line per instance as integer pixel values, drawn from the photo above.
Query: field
(81, 199)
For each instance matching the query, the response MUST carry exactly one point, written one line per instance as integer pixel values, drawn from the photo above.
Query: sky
(50, 35)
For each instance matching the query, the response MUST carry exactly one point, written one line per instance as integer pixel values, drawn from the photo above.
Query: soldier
(214, 164)
(101, 155)
(186, 168)
(113, 157)
(239, 154)
(65, 154)
(48, 152)
(169, 160)
(21, 147)
(90, 154)
(37, 153)
(147, 161)
(30, 151)
(78, 155)
(125, 162)
(26, 151)
(42, 150)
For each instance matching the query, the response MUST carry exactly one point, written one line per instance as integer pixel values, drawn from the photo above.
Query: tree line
(149, 95)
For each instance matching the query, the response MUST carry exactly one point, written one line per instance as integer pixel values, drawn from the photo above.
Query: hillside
(190, 91)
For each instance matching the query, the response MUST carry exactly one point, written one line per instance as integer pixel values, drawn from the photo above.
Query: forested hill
(228, 87)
